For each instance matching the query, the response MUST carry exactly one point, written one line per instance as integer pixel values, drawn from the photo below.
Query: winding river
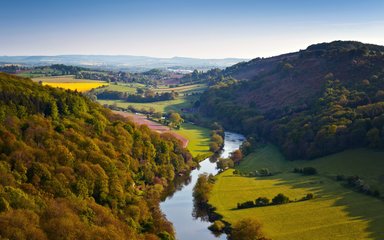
(178, 207)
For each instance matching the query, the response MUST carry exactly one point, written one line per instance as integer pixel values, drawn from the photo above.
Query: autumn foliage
(70, 169)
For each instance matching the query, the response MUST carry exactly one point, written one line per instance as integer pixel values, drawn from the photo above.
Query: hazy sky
(193, 28)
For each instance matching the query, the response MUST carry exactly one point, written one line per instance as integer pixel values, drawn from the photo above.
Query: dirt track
(142, 119)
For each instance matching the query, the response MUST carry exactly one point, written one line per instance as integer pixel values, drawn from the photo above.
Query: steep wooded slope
(71, 169)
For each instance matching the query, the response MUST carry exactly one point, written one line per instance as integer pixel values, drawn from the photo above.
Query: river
(178, 207)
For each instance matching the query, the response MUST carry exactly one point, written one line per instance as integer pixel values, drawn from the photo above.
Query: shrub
(309, 171)
(262, 201)
(280, 199)
(217, 226)
(306, 170)
(308, 197)
(247, 204)
(247, 229)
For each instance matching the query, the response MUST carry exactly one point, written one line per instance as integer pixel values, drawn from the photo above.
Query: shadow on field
(186, 103)
(356, 205)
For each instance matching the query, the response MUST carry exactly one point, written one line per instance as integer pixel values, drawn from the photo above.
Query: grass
(182, 89)
(69, 82)
(177, 104)
(124, 87)
(336, 212)
(199, 138)
(162, 106)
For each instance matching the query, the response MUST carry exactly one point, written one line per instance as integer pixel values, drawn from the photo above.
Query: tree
(225, 163)
(247, 229)
(175, 120)
(214, 147)
(236, 156)
(373, 137)
(280, 199)
(149, 93)
(202, 189)
(262, 201)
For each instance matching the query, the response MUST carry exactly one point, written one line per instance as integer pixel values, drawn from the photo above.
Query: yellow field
(79, 86)
(335, 213)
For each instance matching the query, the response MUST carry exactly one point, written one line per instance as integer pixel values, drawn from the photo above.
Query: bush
(225, 163)
(262, 201)
(305, 170)
(247, 204)
(217, 226)
(309, 171)
(247, 229)
(308, 197)
(280, 199)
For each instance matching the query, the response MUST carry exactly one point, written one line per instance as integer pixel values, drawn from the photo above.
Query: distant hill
(320, 100)
(71, 169)
(123, 62)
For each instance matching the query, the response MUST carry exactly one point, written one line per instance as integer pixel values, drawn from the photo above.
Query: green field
(161, 106)
(182, 101)
(123, 87)
(199, 138)
(182, 89)
(335, 213)
(131, 88)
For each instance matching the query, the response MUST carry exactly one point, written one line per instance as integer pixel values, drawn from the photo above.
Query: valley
(318, 110)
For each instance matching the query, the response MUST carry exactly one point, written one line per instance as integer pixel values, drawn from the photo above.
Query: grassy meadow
(199, 138)
(335, 213)
(69, 82)
(161, 106)
(184, 100)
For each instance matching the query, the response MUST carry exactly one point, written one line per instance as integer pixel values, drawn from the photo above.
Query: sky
(187, 28)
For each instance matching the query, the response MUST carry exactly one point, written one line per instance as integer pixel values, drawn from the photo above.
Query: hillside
(310, 103)
(71, 169)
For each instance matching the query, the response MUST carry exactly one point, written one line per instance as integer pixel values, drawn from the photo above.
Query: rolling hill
(310, 103)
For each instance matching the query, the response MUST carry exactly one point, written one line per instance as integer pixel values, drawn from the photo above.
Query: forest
(322, 100)
(72, 169)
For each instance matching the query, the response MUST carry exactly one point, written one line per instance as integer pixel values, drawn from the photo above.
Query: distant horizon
(197, 29)
(159, 57)
(122, 55)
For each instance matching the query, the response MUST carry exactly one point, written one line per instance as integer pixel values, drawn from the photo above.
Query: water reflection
(191, 222)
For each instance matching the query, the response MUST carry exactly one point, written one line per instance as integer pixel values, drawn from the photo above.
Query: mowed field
(161, 106)
(335, 213)
(132, 87)
(184, 100)
(199, 138)
(69, 82)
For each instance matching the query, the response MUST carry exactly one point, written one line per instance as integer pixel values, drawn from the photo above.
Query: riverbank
(335, 208)
(179, 207)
